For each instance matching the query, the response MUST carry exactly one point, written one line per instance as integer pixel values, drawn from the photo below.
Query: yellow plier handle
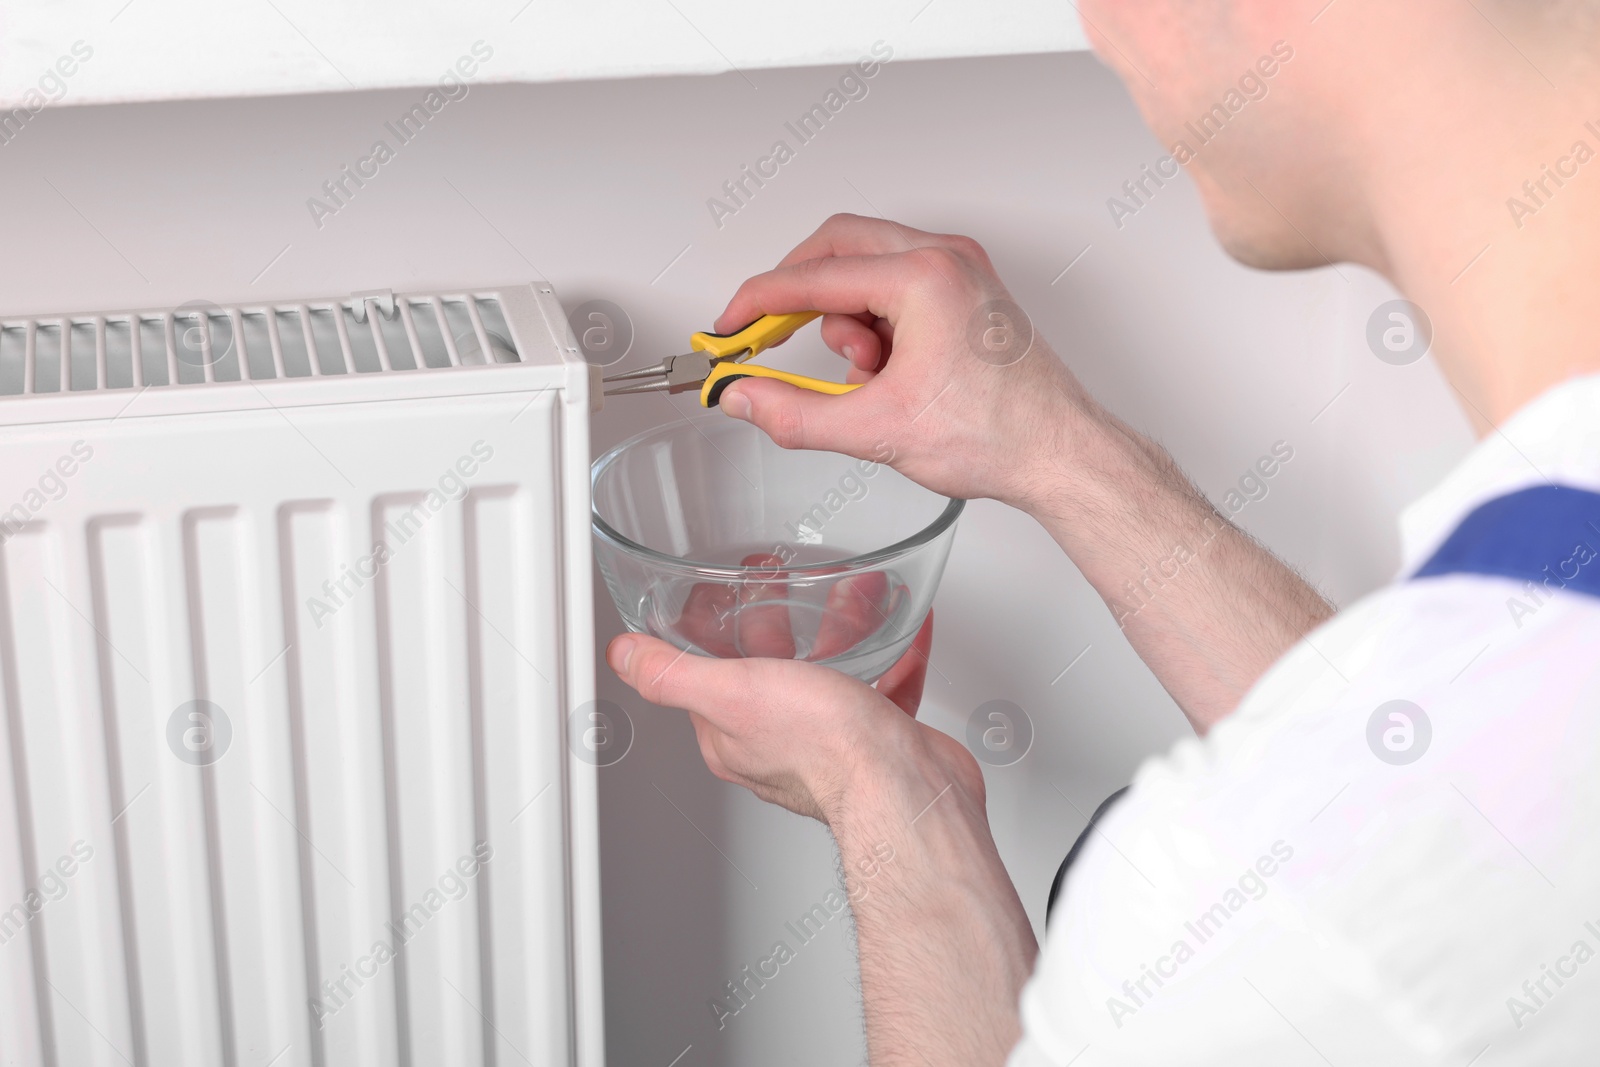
(725, 374)
(737, 347)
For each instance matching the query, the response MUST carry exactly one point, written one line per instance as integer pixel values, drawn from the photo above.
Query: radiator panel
(292, 680)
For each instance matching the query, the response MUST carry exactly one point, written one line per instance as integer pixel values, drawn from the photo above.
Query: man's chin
(1268, 250)
(1255, 232)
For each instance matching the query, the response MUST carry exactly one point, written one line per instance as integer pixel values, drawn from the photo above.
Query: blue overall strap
(1549, 534)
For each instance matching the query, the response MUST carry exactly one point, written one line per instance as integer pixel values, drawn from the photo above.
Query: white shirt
(1358, 912)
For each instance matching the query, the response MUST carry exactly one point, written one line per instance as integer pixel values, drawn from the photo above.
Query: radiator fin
(203, 343)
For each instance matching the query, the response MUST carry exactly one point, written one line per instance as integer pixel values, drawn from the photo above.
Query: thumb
(799, 418)
(730, 694)
(676, 678)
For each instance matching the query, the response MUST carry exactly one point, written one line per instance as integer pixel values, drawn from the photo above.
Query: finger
(903, 683)
(760, 628)
(864, 351)
(848, 285)
(708, 737)
(846, 234)
(728, 619)
(854, 610)
(707, 617)
(801, 418)
(853, 339)
(885, 331)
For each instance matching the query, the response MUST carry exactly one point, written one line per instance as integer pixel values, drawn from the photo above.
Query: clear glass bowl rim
(605, 530)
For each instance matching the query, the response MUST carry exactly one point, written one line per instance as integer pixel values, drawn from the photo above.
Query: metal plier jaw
(675, 374)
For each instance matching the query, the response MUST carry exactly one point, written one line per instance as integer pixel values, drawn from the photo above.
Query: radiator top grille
(201, 343)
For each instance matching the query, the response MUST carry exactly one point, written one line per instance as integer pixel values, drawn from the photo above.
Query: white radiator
(294, 612)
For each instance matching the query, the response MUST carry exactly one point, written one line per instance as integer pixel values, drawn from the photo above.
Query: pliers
(718, 360)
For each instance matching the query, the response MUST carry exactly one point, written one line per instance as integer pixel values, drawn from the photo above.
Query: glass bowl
(713, 538)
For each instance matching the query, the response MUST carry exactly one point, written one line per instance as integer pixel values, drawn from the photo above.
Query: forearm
(945, 945)
(1205, 606)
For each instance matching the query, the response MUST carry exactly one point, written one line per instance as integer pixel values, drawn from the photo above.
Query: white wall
(602, 188)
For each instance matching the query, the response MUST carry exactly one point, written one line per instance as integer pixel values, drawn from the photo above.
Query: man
(1382, 847)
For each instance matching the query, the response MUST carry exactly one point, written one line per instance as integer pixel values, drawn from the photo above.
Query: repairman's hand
(945, 945)
(971, 399)
(798, 734)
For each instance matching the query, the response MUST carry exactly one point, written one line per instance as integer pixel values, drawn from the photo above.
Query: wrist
(901, 784)
(1081, 459)
(918, 854)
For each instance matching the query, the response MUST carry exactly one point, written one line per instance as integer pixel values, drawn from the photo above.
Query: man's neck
(1500, 245)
